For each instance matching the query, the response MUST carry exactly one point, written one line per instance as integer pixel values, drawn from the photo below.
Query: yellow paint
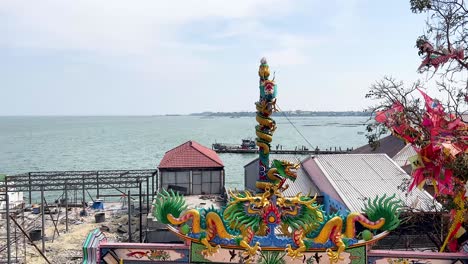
(195, 219)
(335, 222)
(350, 225)
(264, 136)
(266, 148)
(459, 216)
(264, 71)
(264, 121)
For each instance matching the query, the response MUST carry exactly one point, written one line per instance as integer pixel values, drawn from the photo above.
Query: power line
(299, 132)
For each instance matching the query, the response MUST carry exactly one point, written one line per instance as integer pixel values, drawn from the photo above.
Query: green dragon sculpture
(248, 221)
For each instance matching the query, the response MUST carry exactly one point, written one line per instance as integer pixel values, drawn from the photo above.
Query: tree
(436, 129)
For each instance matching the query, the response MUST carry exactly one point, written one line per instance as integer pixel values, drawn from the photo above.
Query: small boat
(246, 144)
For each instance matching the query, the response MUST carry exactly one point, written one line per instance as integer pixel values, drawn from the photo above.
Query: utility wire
(299, 132)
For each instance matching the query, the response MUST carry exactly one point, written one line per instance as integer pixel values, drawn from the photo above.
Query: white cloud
(119, 25)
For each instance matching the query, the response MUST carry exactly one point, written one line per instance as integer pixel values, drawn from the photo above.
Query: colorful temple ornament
(268, 220)
(435, 58)
(438, 141)
(266, 105)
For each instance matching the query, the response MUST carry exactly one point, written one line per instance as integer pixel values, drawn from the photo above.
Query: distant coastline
(287, 113)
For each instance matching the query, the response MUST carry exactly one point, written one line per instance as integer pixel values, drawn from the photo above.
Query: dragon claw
(252, 251)
(209, 251)
(293, 253)
(334, 256)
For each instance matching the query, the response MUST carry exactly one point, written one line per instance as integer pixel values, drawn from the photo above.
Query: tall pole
(66, 206)
(29, 188)
(266, 125)
(97, 185)
(42, 219)
(141, 212)
(83, 195)
(7, 201)
(147, 196)
(129, 218)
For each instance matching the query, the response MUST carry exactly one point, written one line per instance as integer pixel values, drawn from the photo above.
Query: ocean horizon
(57, 143)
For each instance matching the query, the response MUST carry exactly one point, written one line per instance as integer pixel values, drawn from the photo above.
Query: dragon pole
(266, 125)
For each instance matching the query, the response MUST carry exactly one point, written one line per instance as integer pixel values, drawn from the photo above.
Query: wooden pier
(284, 151)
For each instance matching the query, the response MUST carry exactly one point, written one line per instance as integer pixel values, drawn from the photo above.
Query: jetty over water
(286, 151)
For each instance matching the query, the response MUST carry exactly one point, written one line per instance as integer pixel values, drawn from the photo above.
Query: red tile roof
(190, 155)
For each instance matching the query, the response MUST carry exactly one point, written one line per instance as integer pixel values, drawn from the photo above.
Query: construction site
(46, 216)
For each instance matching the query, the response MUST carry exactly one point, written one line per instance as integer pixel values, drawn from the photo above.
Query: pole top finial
(263, 70)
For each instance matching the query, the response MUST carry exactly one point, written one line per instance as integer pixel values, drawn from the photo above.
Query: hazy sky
(95, 57)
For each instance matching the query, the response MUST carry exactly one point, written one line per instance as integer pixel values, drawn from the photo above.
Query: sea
(140, 142)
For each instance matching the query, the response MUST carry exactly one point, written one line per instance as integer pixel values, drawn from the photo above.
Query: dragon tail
(385, 207)
(168, 203)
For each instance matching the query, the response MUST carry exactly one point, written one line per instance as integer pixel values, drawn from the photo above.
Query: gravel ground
(67, 247)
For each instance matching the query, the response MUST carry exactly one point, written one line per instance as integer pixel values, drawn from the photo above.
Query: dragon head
(245, 210)
(300, 212)
(286, 169)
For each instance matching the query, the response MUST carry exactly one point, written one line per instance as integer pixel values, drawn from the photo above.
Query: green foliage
(272, 257)
(460, 167)
(386, 208)
(418, 6)
(168, 203)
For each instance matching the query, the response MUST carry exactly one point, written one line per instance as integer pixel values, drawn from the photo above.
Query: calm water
(92, 143)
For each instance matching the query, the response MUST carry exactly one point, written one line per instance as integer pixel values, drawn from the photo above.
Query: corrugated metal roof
(190, 155)
(303, 183)
(401, 158)
(359, 177)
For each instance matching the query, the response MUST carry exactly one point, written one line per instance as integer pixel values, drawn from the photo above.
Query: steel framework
(72, 181)
(76, 180)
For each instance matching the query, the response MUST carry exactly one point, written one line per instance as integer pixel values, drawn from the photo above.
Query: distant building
(389, 145)
(192, 169)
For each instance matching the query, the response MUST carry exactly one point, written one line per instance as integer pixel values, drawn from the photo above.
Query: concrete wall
(250, 175)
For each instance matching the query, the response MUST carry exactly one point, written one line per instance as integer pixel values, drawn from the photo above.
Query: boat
(247, 144)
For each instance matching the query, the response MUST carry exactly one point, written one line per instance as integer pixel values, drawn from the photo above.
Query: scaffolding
(127, 184)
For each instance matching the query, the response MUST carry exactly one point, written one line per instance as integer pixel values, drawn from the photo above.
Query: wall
(250, 175)
(197, 181)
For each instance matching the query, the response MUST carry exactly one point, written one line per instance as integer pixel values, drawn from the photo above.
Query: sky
(152, 57)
